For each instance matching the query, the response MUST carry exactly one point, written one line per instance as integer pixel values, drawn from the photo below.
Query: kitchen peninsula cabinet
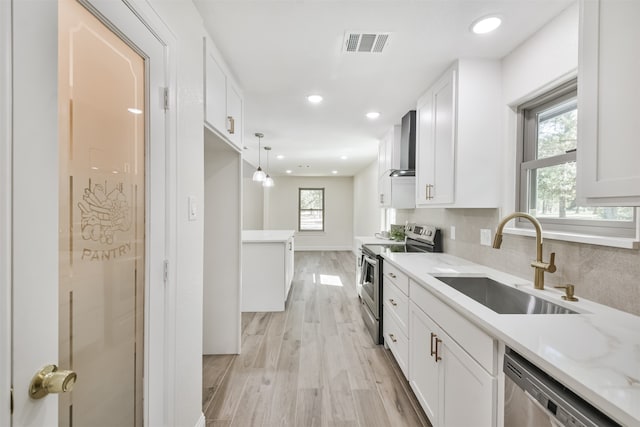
(267, 269)
(608, 126)
(223, 104)
(458, 138)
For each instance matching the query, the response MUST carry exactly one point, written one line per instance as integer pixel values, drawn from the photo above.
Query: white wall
(281, 204)
(252, 198)
(221, 297)
(366, 211)
(544, 60)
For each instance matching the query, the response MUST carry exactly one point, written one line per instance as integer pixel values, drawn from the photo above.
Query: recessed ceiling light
(334, 172)
(288, 171)
(280, 156)
(314, 99)
(373, 115)
(486, 24)
(344, 157)
(134, 110)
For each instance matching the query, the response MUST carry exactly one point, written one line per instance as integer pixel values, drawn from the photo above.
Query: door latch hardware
(50, 380)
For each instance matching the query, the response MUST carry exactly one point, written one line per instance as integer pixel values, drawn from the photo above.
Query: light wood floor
(313, 364)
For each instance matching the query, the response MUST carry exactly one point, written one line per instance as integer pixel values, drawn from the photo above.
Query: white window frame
(324, 212)
(526, 161)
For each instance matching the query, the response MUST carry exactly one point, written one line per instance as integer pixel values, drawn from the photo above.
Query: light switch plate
(485, 236)
(193, 208)
(452, 233)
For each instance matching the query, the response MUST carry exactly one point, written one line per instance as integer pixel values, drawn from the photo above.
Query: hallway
(313, 364)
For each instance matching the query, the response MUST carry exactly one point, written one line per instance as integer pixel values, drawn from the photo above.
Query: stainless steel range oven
(419, 238)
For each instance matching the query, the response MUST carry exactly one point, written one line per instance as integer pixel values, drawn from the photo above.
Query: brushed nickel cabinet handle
(429, 189)
(393, 276)
(438, 341)
(393, 338)
(232, 125)
(433, 352)
(393, 303)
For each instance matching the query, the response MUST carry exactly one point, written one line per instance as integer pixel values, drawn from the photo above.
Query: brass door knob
(50, 380)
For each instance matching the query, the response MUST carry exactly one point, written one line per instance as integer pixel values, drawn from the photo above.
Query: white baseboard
(202, 422)
(323, 248)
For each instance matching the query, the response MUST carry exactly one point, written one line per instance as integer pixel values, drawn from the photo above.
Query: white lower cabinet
(424, 372)
(395, 314)
(396, 340)
(452, 387)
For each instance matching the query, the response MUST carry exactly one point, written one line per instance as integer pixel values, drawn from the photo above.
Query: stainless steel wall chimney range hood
(407, 146)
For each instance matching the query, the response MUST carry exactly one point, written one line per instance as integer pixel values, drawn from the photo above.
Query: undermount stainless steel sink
(501, 298)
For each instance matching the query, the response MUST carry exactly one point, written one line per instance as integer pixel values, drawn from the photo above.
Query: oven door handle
(370, 260)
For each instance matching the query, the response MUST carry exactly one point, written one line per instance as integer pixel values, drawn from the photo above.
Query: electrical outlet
(452, 233)
(485, 236)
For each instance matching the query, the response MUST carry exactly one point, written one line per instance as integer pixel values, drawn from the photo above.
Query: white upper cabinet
(435, 171)
(608, 93)
(388, 151)
(393, 192)
(223, 101)
(458, 148)
(234, 123)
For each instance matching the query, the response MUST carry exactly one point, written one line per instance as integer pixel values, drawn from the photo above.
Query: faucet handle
(551, 268)
(569, 292)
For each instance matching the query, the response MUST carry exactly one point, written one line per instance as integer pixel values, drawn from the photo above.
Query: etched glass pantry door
(102, 221)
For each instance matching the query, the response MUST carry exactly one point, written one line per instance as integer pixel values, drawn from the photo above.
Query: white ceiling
(282, 51)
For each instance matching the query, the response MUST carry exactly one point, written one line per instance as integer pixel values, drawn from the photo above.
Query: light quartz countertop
(266, 236)
(371, 240)
(595, 353)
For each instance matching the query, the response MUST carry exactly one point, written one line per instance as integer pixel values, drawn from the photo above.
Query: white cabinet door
(608, 127)
(436, 143)
(423, 371)
(384, 191)
(468, 392)
(288, 266)
(452, 388)
(215, 106)
(389, 151)
(223, 107)
(383, 157)
(234, 116)
(458, 138)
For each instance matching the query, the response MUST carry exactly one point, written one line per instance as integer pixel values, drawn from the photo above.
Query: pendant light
(259, 175)
(268, 181)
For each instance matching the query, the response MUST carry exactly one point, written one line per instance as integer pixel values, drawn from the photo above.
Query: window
(311, 209)
(548, 169)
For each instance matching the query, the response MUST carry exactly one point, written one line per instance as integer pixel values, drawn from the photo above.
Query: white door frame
(160, 372)
(5, 211)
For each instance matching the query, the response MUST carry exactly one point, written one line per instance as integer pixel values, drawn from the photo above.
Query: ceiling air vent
(365, 42)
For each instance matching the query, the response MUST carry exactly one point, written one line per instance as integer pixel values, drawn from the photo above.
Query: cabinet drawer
(396, 303)
(480, 346)
(396, 340)
(398, 278)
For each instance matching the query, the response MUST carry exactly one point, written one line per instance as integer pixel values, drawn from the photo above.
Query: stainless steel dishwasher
(533, 399)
